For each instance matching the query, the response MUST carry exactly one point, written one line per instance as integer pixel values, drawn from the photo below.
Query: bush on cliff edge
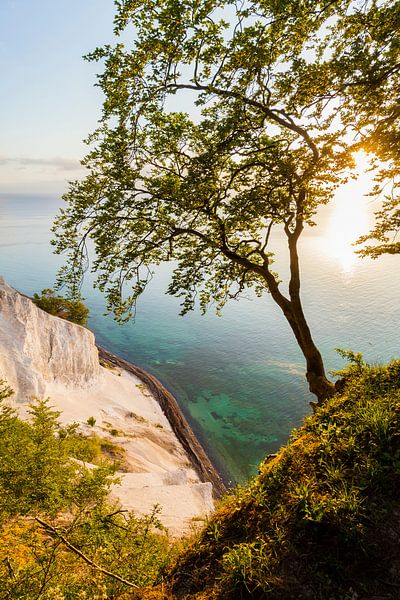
(65, 308)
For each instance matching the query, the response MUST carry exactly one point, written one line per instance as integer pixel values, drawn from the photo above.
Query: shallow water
(239, 378)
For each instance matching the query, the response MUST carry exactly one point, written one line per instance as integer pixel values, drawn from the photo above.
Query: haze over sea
(239, 378)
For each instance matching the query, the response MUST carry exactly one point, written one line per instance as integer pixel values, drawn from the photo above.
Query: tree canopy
(369, 61)
(223, 122)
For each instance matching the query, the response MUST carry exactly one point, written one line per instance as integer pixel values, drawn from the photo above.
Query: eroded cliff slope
(44, 356)
(37, 349)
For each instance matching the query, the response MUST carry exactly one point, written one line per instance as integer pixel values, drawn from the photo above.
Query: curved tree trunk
(317, 380)
(318, 383)
(292, 308)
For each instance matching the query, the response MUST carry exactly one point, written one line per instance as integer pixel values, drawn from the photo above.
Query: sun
(350, 215)
(362, 161)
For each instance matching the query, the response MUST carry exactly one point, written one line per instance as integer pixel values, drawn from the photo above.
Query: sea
(238, 378)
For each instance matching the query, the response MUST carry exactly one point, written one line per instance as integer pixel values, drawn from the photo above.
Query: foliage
(320, 520)
(92, 448)
(34, 562)
(202, 192)
(51, 505)
(70, 309)
(372, 104)
(5, 390)
(36, 473)
(277, 93)
(387, 223)
(355, 364)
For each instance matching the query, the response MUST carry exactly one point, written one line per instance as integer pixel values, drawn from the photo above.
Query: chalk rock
(37, 349)
(44, 356)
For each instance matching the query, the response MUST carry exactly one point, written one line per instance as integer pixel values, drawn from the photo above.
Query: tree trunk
(318, 383)
(291, 307)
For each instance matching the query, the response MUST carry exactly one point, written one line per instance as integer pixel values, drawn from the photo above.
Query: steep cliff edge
(44, 356)
(37, 349)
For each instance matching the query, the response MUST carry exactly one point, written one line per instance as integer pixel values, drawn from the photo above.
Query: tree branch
(50, 530)
(268, 112)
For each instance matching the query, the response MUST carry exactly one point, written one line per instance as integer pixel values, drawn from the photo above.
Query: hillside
(322, 519)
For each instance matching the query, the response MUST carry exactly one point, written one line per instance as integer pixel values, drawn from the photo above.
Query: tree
(36, 473)
(59, 531)
(265, 146)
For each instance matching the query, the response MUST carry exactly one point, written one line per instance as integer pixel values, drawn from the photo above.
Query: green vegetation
(144, 388)
(60, 538)
(71, 310)
(92, 448)
(321, 520)
(283, 93)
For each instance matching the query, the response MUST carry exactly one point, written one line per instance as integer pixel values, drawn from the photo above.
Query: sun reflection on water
(350, 217)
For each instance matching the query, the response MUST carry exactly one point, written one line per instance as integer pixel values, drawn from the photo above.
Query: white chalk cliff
(44, 356)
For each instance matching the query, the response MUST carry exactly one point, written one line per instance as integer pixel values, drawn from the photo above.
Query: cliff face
(37, 349)
(48, 357)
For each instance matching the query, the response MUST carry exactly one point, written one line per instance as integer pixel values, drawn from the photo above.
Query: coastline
(181, 428)
(160, 460)
(199, 459)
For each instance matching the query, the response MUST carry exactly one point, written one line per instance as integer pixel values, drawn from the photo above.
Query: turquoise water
(239, 378)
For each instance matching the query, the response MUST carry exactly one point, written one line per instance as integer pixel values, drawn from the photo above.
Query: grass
(96, 450)
(321, 521)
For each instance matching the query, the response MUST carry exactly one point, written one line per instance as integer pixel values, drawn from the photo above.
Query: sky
(48, 100)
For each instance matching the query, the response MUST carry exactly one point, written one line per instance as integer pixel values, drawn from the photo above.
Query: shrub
(65, 308)
(55, 516)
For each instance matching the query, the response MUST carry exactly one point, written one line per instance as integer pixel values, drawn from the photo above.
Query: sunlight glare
(350, 216)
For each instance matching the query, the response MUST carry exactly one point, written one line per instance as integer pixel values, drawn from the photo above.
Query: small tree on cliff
(262, 151)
